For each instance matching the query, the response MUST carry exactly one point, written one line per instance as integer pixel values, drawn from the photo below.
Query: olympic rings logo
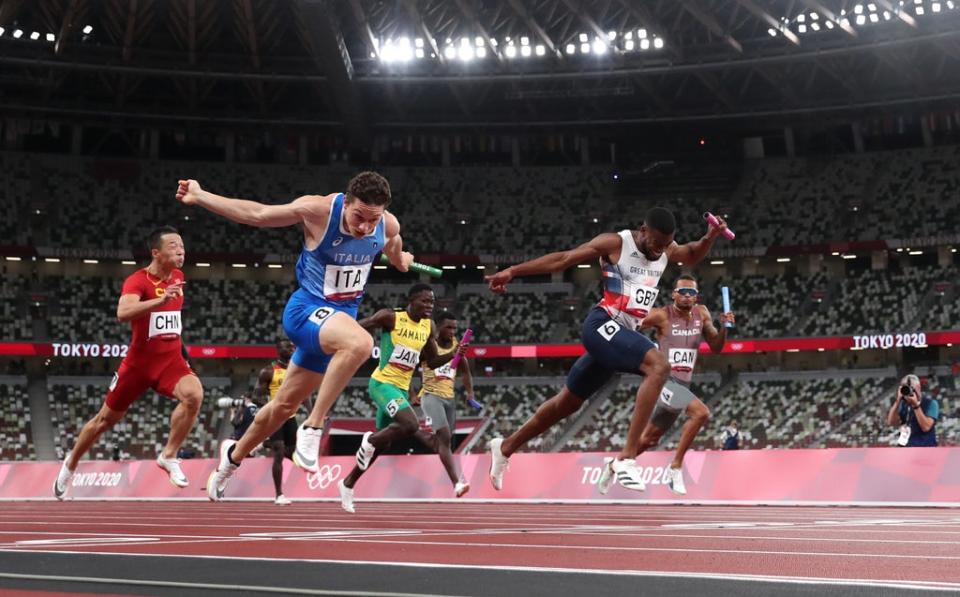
(324, 477)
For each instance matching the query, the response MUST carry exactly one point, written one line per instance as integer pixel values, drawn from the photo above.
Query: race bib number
(608, 330)
(165, 324)
(682, 359)
(666, 396)
(344, 281)
(320, 315)
(393, 407)
(444, 372)
(642, 298)
(404, 357)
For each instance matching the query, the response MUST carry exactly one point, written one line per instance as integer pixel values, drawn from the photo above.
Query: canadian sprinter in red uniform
(151, 301)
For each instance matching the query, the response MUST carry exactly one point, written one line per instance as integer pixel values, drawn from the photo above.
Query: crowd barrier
(866, 476)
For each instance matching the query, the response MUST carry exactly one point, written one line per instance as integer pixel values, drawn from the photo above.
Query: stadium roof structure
(365, 65)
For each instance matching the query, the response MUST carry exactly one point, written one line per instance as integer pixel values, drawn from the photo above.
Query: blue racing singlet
(338, 268)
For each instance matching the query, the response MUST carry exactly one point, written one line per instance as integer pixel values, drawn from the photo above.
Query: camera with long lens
(906, 390)
(230, 402)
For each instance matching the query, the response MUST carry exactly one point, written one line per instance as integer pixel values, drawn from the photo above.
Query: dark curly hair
(370, 188)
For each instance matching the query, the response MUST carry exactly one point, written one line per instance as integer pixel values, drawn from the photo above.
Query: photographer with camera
(244, 410)
(915, 414)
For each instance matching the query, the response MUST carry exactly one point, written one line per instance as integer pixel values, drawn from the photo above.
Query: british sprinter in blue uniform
(343, 234)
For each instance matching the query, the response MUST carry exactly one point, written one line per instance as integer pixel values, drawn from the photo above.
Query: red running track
(886, 545)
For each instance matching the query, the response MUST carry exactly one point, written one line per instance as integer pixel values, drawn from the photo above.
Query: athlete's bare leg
(189, 393)
(699, 416)
(297, 386)
(279, 450)
(94, 428)
(548, 414)
(650, 438)
(353, 345)
(655, 370)
(444, 441)
(405, 424)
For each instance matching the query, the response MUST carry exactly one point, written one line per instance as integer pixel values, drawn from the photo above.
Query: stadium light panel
(584, 48)
(17, 33)
(629, 45)
(571, 49)
(599, 47)
(658, 43)
(450, 52)
(772, 32)
(51, 37)
(611, 35)
(418, 53)
(801, 28)
(858, 9)
(644, 44)
(88, 30)
(2, 30)
(642, 33)
(829, 24)
(418, 42)
(815, 26)
(524, 41)
(478, 41)
(935, 7)
(510, 52)
(466, 53)
(481, 52)
(628, 35)
(525, 51)
(861, 19)
(814, 16)
(541, 50)
(801, 18)
(919, 11)
(584, 37)
(872, 7)
(493, 42)
(874, 18)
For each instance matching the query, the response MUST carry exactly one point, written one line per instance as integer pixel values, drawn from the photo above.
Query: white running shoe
(675, 481)
(282, 500)
(461, 488)
(172, 466)
(62, 483)
(606, 477)
(624, 472)
(346, 497)
(217, 482)
(498, 463)
(308, 449)
(365, 453)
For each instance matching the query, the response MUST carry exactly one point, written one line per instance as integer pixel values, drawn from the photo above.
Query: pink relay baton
(467, 336)
(713, 221)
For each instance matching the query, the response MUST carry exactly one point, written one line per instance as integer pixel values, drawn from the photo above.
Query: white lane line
(652, 549)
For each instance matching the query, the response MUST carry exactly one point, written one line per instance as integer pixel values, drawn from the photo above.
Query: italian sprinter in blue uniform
(343, 234)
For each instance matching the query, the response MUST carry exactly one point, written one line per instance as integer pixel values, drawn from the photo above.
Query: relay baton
(725, 291)
(467, 336)
(715, 223)
(417, 267)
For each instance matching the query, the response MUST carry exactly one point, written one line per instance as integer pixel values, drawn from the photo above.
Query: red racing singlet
(157, 332)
